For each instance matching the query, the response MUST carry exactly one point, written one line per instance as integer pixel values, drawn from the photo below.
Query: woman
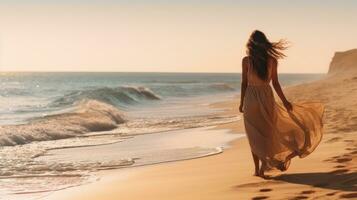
(276, 133)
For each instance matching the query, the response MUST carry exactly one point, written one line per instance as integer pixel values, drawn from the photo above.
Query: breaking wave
(88, 116)
(118, 96)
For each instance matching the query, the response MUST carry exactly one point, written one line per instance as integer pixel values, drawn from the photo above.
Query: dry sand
(328, 173)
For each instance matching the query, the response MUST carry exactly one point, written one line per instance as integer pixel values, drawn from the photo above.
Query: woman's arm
(244, 82)
(276, 84)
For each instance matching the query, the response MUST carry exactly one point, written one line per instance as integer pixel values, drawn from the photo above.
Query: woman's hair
(259, 49)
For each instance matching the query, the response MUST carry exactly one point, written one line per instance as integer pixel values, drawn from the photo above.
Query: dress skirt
(276, 135)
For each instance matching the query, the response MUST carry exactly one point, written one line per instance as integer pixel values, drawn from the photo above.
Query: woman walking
(276, 133)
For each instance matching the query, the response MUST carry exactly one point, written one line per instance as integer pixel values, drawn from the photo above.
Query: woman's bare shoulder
(272, 61)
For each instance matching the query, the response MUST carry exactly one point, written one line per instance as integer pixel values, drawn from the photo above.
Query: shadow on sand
(336, 180)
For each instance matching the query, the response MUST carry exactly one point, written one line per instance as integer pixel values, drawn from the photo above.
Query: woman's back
(253, 78)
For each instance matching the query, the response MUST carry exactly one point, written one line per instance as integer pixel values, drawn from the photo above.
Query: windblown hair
(260, 49)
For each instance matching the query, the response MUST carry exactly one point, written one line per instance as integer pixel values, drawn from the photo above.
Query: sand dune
(328, 173)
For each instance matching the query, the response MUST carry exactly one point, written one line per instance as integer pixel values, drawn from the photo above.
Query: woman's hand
(241, 108)
(288, 106)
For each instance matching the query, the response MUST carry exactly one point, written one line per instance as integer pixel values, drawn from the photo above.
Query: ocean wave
(88, 116)
(193, 89)
(118, 96)
(222, 86)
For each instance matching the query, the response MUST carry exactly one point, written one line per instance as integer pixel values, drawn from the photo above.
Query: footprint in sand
(265, 190)
(308, 192)
(343, 160)
(339, 166)
(349, 196)
(336, 157)
(348, 141)
(339, 171)
(340, 159)
(300, 197)
(260, 198)
(331, 193)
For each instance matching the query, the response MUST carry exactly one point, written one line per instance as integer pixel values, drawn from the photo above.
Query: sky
(169, 36)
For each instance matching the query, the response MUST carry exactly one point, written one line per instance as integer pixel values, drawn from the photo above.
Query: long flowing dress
(276, 135)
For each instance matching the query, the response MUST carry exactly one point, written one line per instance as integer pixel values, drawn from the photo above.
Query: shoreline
(103, 173)
(123, 183)
(119, 173)
(216, 141)
(126, 173)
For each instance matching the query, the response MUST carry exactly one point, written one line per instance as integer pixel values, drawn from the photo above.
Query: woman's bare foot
(262, 175)
(265, 176)
(283, 166)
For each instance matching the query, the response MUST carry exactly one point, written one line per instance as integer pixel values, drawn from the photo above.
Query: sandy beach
(328, 173)
(178, 100)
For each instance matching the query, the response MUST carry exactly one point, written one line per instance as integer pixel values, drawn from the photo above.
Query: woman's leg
(262, 170)
(256, 164)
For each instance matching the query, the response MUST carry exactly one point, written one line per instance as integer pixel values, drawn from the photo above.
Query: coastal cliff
(344, 62)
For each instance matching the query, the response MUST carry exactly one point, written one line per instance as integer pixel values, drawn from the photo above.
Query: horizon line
(167, 72)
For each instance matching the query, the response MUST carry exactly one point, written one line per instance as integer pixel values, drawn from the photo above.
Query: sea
(58, 129)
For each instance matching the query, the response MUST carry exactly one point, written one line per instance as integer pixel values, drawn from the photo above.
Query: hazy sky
(172, 36)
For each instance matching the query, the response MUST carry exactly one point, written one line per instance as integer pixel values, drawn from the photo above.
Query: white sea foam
(88, 116)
